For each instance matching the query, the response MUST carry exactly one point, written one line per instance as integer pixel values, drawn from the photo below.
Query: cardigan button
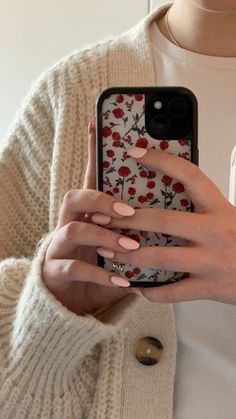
(148, 350)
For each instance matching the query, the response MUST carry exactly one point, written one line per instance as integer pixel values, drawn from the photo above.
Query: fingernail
(101, 219)
(128, 243)
(117, 280)
(91, 126)
(136, 152)
(123, 209)
(106, 253)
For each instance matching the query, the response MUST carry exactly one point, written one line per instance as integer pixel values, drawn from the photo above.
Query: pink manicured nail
(91, 126)
(106, 253)
(128, 243)
(136, 152)
(123, 209)
(101, 219)
(121, 282)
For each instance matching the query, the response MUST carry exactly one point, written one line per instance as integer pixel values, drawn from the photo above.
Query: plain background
(35, 35)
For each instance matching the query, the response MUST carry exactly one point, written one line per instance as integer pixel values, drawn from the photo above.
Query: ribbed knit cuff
(45, 332)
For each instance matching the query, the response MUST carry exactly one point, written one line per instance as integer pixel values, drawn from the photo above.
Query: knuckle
(226, 235)
(66, 270)
(230, 235)
(160, 260)
(68, 197)
(101, 235)
(97, 199)
(70, 229)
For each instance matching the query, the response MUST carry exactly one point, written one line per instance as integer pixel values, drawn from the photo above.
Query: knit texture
(54, 363)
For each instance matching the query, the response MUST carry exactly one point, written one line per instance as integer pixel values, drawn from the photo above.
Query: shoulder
(84, 69)
(76, 68)
(90, 58)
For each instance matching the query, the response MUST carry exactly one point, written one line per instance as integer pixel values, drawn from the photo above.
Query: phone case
(120, 118)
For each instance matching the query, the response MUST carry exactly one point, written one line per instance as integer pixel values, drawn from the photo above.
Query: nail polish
(101, 219)
(121, 282)
(128, 244)
(106, 253)
(123, 209)
(136, 152)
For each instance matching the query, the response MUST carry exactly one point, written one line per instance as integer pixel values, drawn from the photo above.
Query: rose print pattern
(126, 179)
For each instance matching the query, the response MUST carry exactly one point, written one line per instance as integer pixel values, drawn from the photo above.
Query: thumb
(90, 174)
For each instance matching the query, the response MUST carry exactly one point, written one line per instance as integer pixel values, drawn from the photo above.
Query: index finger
(81, 201)
(204, 194)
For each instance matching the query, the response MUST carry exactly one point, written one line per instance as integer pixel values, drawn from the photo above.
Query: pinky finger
(60, 272)
(189, 289)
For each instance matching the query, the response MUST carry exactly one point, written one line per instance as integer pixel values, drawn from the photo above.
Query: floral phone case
(121, 124)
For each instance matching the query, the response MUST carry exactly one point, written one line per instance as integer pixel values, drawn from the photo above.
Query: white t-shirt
(205, 384)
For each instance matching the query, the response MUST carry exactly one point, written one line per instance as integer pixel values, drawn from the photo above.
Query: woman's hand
(210, 257)
(69, 269)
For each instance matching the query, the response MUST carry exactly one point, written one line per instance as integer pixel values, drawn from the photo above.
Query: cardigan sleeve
(37, 330)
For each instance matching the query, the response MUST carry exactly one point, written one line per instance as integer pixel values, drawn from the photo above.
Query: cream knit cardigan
(54, 363)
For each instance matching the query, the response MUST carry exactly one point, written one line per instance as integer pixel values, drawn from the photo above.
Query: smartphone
(163, 118)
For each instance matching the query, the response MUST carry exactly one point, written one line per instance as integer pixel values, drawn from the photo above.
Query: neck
(203, 26)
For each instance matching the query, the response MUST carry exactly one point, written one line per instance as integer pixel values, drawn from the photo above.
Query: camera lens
(161, 122)
(178, 107)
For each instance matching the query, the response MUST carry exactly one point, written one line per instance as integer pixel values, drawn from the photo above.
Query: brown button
(148, 350)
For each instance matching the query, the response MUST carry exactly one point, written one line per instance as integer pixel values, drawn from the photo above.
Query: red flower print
(184, 202)
(142, 142)
(125, 230)
(134, 237)
(105, 115)
(116, 190)
(142, 199)
(110, 153)
(143, 173)
(131, 191)
(106, 131)
(125, 155)
(109, 193)
(152, 174)
(144, 233)
(119, 99)
(166, 180)
(118, 113)
(116, 143)
(124, 171)
(106, 164)
(138, 97)
(128, 139)
(129, 274)
(185, 275)
(184, 155)
(164, 145)
(150, 184)
(116, 136)
(182, 142)
(150, 195)
(129, 105)
(178, 187)
(136, 271)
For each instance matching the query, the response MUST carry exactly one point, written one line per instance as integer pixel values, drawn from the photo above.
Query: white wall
(35, 34)
(155, 3)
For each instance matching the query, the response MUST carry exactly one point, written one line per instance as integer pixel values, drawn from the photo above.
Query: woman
(73, 339)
